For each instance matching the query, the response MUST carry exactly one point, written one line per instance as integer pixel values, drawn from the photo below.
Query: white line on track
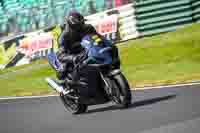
(26, 97)
(141, 88)
(168, 86)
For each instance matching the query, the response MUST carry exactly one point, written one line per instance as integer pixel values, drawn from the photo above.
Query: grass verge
(163, 59)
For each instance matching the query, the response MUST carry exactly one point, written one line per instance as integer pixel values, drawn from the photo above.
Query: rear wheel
(122, 91)
(72, 105)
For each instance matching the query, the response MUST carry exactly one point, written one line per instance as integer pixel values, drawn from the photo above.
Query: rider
(73, 30)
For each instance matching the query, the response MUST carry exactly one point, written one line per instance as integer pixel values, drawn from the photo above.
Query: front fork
(110, 86)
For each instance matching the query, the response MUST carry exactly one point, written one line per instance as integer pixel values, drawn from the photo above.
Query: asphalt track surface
(165, 110)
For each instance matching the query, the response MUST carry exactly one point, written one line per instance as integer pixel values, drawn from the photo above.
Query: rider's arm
(89, 29)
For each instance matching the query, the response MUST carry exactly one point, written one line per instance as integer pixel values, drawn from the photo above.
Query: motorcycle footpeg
(71, 97)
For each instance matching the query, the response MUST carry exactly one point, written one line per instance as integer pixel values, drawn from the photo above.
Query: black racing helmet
(74, 18)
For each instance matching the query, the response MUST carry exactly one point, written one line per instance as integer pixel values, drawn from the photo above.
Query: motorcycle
(114, 85)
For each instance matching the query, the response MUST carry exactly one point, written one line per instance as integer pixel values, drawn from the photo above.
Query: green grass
(27, 80)
(163, 59)
(16, 68)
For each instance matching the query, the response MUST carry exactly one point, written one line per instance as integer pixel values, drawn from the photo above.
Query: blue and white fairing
(98, 49)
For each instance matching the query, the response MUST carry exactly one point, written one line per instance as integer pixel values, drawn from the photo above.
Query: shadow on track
(135, 104)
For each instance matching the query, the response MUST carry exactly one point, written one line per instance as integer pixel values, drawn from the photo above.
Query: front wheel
(73, 106)
(122, 91)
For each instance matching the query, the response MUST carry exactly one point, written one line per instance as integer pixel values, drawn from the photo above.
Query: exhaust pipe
(55, 86)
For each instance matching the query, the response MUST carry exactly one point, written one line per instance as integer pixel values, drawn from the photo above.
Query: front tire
(73, 106)
(123, 91)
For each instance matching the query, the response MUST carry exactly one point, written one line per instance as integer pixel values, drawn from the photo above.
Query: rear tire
(124, 97)
(78, 109)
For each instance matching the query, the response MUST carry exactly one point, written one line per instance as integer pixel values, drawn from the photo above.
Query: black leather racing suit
(70, 47)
